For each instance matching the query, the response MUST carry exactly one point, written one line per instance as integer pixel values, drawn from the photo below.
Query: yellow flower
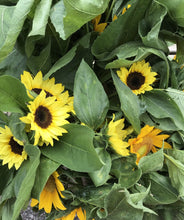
(148, 140)
(51, 89)
(117, 135)
(138, 78)
(50, 195)
(12, 150)
(123, 11)
(98, 27)
(45, 117)
(75, 213)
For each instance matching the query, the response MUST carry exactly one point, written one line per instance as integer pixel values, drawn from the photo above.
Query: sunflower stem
(110, 10)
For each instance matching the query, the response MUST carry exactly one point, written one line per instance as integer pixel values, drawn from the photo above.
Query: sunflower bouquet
(92, 109)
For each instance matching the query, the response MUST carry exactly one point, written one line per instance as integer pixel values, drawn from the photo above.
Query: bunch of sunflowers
(91, 109)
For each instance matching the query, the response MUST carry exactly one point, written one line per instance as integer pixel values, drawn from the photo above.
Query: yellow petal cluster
(148, 140)
(50, 195)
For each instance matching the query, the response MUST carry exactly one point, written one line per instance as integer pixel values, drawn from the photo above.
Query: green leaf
(152, 162)
(12, 98)
(160, 105)
(68, 16)
(175, 10)
(126, 171)
(24, 180)
(149, 27)
(41, 18)
(75, 149)
(14, 64)
(121, 30)
(161, 191)
(45, 169)
(129, 102)
(120, 205)
(90, 100)
(14, 19)
(175, 163)
(101, 176)
(6, 176)
(17, 127)
(62, 62)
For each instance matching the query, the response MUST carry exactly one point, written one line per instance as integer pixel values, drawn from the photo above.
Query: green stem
(110, 10)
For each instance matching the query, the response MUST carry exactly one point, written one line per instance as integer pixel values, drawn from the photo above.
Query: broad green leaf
(121, 30)
(101, 176)
(178, 97)
(6, 176)
(45, 169)
(12, 98)
(129, 102)
(160, 105)
(175, 10)
(41, 18)
(126, 171)
(62, 62)
(90, 100)
(7, 209)
(15, 20)
(152, 162)
(119, 205)
(175, 163)
(161, 191)
(68, 16)
(14, 64)
(75, 149)
(25, 179)
(149, 27)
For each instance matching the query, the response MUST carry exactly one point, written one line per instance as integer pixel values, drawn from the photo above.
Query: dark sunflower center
(43, 117)
(135, 80)
(37, 91)
(15, 147)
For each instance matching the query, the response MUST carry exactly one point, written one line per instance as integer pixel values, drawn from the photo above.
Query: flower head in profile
(138, 78)
(50, 195)
(12, 150)
(46, 117)
(123, 12)
(148, 140)
(37, 84)
(75, 214)
(98, 27)
(117, 135)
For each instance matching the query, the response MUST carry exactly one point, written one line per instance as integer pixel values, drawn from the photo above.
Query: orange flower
(148, 140)
(76, 212)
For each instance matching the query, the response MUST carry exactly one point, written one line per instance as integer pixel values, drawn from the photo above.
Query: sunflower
(98, 27)
(12, 150)
(50, 195)
(123, 12)
(117, 135)
(51, 89)
(45, 118)
(75, 213)
(138, 78)
(148, 140)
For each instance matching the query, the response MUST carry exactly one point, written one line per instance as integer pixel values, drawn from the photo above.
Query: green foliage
(90, 100)
(13, 98)
(75, 149)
